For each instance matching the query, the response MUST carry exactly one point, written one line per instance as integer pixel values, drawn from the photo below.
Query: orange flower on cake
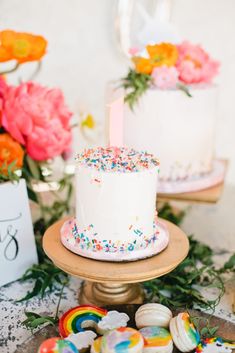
(22, 47)
(38, 118)
(164, 54)
(10, 151)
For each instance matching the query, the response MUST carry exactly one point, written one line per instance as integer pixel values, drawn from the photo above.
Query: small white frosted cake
(115, 206)
(178, 128)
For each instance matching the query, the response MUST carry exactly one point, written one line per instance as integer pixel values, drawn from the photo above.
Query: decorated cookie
(123, 339)
(215, 345)
(183, 332)
(57, 345)
(112, 320)
(156, 340)
(79, 318)
(82, 340)
(96, 346)
(153, 315)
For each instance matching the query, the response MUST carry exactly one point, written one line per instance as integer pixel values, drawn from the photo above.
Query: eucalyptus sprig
(135, 84)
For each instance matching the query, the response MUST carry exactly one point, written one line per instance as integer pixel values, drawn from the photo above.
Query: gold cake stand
(115, 282)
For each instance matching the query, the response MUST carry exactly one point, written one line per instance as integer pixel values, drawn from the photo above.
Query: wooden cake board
(115, 282)
(210, 195)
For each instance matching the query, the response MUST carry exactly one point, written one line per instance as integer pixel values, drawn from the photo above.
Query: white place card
(17, 242)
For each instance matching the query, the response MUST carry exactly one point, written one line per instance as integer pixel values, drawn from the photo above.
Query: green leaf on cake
(135, 85)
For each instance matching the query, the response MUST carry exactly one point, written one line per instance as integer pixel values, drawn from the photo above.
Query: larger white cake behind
(178, 129)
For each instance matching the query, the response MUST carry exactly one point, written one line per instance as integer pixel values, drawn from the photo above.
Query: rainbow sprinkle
(88, 239)
(115, 159)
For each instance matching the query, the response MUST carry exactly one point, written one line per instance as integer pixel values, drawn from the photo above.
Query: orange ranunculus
(10, 151)
(163, 54)
(143, 65)
(22, 47)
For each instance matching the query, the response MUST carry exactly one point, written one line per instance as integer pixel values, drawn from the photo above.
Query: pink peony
(195, 65)
(165, 77)
(38, 118)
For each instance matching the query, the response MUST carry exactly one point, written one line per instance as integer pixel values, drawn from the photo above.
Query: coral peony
(165, 77)
(195, 65)
(3, 86)
(38, 118)
(10, 151)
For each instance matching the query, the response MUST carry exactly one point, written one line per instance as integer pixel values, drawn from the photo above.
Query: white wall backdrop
(83, 55)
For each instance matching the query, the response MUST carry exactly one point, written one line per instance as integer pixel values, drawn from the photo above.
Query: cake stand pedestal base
(115, 282)
(110, 293)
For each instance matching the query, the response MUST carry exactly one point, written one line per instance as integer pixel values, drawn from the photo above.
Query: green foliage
(167, 212)
(180, 288)
(34, 320)
(202, 324)
(46, 278)
(135, 84)
(7, 173)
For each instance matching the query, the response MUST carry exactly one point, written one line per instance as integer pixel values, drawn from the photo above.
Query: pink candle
(116, 122)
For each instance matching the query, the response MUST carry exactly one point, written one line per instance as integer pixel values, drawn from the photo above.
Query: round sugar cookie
(123, 339)
(57, 345)
(153, 314)
(156, 340)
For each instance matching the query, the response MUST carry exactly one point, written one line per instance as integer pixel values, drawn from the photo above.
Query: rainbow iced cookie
(153, 315)
(96, 345)
(215, 345)
(57, 345)
(184, 333)
(156, 340)
(123, 339)
(79, 318)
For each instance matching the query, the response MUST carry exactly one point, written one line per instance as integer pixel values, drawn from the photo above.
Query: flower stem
(17, 65)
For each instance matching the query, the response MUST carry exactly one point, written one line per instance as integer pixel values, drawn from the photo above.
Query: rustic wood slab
(226, 328)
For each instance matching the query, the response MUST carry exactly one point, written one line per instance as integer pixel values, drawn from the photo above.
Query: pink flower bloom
(195, 65)
(133, 51)
(165, 77)
(3, 87)
(38, 118)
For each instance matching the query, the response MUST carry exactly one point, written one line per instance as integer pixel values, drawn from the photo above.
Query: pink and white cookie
(123, 339)
(57, 345)
(184, 333)
(153, 314)
(156, 340)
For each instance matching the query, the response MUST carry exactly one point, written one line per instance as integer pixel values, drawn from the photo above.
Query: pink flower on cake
(38, 118)
(165, 77)
(195, 65)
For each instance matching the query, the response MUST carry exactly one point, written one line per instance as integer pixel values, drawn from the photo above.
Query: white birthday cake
(180, 129)
(115, 206)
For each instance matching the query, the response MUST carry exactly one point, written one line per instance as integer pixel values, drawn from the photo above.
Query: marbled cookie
(156, 340)
(183, 332)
